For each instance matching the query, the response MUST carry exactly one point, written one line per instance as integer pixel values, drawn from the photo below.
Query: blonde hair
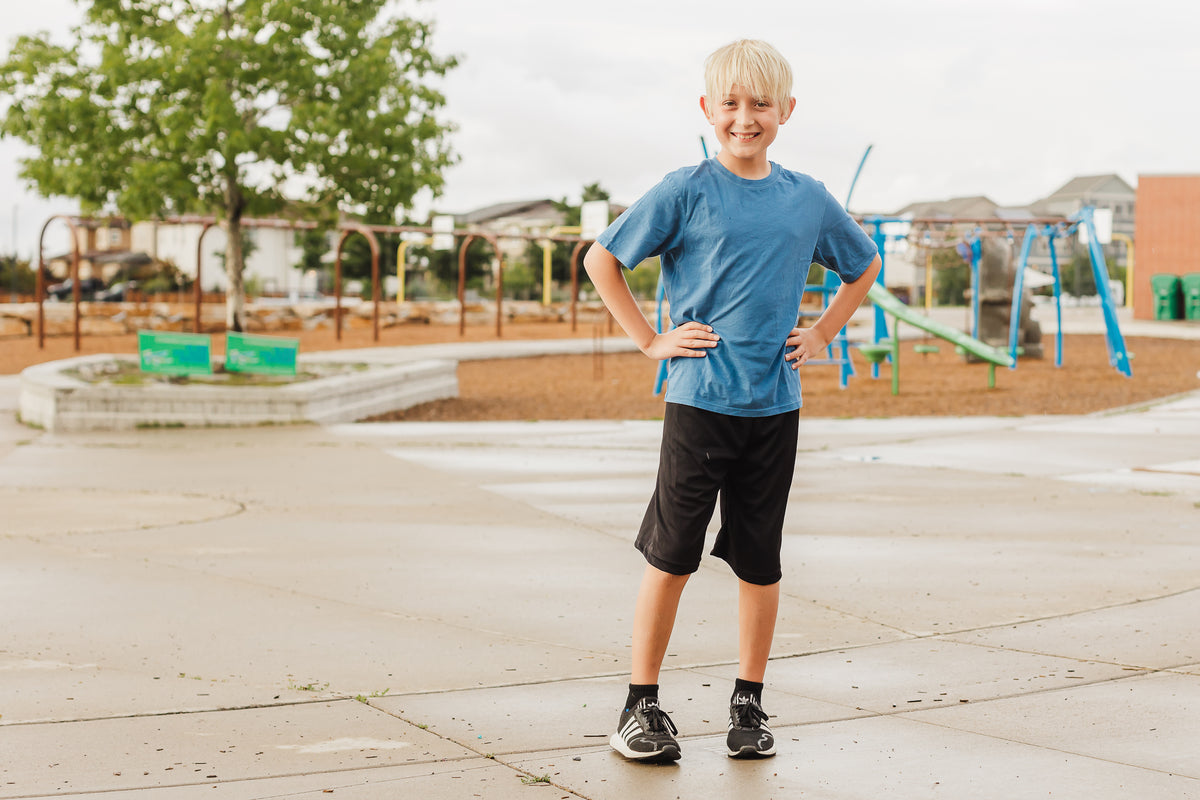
(755, 65)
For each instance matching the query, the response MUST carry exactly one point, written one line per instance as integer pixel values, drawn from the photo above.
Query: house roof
(1092, 184)
(502, 210)
(975, 207)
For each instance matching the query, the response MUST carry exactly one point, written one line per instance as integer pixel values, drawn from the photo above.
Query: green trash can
(1190, 284)
(1168, 296)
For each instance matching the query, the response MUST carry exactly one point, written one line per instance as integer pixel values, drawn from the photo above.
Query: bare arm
(607, 274)
(809, 342)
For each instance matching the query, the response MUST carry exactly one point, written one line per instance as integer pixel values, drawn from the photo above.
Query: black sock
(639, 690)
(748, 687)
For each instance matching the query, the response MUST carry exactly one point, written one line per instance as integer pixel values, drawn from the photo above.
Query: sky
(1004, 99)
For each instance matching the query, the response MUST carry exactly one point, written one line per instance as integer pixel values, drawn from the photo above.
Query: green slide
(892, 305)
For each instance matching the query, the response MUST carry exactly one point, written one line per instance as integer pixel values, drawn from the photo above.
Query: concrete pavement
(973, 608)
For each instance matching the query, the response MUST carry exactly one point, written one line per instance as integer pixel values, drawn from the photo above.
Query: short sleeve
(842, 245)
(650, 227)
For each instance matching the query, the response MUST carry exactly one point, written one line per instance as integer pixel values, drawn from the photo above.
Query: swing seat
(876, 353)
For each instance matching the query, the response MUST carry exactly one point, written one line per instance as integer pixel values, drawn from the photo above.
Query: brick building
(1167, 234)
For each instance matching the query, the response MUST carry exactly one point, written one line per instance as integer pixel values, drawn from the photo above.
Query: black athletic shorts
(749, 461)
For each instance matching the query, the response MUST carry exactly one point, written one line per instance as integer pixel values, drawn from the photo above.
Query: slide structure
(888, 303)
(892, 305)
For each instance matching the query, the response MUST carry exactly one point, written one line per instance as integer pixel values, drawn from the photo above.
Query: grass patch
(127, 372)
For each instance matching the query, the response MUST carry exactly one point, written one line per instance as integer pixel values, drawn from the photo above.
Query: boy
(736, 234)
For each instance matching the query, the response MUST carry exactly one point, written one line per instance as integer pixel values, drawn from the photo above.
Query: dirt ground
(620, 385)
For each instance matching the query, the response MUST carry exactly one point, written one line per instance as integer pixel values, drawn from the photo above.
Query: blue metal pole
(881, 331)
(1117, 355)
(857, 172)
(976, 254)
(661, 375)
(1058, 336)
(1014, 317)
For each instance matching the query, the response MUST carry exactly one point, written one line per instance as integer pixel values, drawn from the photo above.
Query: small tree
(232, 108)
(951, 277)
(16, 277)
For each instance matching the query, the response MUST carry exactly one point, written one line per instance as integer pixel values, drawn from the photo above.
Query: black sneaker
(646, 733)
(749, 736)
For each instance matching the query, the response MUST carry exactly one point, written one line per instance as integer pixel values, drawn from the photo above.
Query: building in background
(1167, 234)
(272, 255)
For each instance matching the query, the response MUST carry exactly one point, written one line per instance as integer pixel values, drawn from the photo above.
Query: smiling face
(745, 127)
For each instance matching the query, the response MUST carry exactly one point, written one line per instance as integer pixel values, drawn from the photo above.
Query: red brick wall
(1166, 234)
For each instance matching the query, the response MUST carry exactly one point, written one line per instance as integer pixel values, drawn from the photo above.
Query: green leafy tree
(951, 277)
(16, 277)
(232, 108)
(1076, 275)
(442, 266)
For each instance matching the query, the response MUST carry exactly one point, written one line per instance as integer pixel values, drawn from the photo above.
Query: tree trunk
(235, 265)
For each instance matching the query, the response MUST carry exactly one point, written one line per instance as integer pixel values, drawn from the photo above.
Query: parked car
(116, 293)
(65, 291)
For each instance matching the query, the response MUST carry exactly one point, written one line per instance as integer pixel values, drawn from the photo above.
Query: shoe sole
(749, 752)
(667, 755)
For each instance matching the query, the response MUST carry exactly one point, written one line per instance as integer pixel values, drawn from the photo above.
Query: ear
(787, 113)
(704, 108)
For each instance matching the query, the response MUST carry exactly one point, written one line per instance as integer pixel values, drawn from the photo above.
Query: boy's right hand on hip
(689, 340)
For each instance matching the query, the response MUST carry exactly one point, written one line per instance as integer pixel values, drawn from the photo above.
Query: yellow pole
(547, 261)
(547, 247)
(1128, 267)
(401, 252)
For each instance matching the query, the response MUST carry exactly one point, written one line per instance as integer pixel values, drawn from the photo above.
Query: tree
(16, 277)
(232, 108)
(951, 276)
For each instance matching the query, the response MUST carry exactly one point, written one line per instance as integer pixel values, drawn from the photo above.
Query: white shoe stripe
(632, 727)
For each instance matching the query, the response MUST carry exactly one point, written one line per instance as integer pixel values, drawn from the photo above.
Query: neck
(751, 169)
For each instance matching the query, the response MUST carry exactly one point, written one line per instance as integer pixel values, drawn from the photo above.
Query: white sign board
(443, 232)
(1102, 219)
(593, 218)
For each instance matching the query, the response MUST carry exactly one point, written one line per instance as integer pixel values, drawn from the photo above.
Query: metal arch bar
(579, 246)
(348, 230)
(41, 280)
(462, 281)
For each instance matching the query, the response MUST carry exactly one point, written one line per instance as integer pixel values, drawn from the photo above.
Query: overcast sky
(1004, 99)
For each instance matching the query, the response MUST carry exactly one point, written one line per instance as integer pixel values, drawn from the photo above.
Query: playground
(617, 385)
(934, 384)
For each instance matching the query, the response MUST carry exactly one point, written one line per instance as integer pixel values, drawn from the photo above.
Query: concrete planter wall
(56, 401)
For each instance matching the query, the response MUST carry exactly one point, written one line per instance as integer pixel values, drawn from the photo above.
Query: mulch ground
(620, 385)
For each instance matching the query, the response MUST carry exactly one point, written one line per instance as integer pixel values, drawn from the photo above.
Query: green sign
(175, 353)
(272, 355)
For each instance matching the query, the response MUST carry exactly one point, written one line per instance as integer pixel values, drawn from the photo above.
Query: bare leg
(653, 621)
(758, 606)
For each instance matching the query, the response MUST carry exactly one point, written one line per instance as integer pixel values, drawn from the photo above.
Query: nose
(745, 115)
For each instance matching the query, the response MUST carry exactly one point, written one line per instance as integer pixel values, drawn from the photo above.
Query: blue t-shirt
(735, 255)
